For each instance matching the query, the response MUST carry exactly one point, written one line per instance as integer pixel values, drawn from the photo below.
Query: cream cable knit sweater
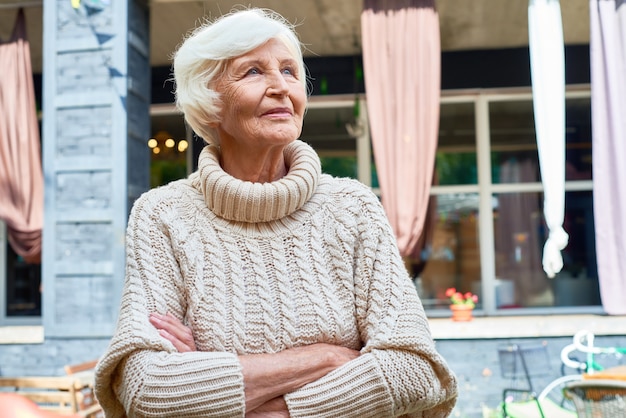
(259, 268)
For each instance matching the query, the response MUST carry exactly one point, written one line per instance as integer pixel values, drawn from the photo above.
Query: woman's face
(263, 98)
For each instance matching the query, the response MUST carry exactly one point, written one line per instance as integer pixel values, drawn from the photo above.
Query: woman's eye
(253, 71)
(288, 71)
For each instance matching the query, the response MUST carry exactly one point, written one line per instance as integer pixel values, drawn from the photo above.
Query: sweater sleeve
(399, 372)
(141, 374)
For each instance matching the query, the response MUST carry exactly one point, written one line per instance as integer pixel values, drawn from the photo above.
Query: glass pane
(375, 182)
(514, 157)
(169, 147)
(340, 166)
(578, 139)
(455, 161)
(325, 129)
(520, 233)
(23, 287)
(451, 256)
(514, 143)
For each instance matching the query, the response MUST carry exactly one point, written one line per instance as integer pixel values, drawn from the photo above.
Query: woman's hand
(174, 331)
(274, 408)
(268, 376)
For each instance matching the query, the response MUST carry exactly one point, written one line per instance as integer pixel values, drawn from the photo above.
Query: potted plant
(461, 304)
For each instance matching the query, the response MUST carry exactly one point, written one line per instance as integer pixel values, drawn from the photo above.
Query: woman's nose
(277, 83)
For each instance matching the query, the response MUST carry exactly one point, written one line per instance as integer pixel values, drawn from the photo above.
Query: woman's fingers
(174, 331)
(274, 408)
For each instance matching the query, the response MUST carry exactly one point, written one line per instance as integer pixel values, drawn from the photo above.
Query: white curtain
(547, 68)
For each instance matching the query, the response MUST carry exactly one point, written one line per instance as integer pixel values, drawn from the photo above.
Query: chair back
(524, 362)
(598, 398)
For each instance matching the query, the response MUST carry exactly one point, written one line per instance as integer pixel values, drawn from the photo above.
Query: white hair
(201, 59)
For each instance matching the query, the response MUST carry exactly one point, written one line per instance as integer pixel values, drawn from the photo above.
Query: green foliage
(340, 166)
(164, 171)
(456, 168)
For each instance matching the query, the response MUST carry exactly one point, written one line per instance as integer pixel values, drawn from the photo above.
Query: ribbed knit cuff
(210, 384)
(357, 389)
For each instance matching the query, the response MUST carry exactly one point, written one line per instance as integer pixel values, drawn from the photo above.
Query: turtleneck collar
(244, 201)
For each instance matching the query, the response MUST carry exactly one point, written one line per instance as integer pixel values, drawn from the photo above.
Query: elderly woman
(259, 286)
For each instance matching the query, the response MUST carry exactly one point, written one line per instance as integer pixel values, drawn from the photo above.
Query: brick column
(96, 98)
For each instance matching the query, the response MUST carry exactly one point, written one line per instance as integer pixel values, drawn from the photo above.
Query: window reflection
(451, 255)
(514, 157)
(23, 287)
(455, 161)
(520, 233)
(513, 140)
(168, 149)
(578, 139)
(340, 166)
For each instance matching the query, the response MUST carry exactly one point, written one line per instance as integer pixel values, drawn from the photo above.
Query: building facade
(103, 100)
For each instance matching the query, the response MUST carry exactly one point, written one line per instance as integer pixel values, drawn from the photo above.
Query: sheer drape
(517, 235)
(21, 179)
(401, 62)
(547, 69)
(608, 113)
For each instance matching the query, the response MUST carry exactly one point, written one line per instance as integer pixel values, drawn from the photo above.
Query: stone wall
(96, 104)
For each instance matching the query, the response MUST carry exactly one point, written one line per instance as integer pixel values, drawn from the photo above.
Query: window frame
(481, 98)
(486, 189)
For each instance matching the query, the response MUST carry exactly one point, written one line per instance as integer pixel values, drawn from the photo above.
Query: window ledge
(22, 335)
(526, 326)
(443, 328)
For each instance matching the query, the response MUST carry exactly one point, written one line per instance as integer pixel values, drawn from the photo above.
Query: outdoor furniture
(522, 363)
(13, 405)
(64, 394)
(598, 398)
(87, 366)
(85, 371)
(612, 373)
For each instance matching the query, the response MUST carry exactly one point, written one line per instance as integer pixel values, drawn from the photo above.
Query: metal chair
(598, 398)
(522, 364)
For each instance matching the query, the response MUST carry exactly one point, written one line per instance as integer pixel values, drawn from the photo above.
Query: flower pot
(461, 312)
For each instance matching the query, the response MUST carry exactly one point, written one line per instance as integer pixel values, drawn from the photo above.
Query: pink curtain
(608, 113)
(21, 178)
(401, 64)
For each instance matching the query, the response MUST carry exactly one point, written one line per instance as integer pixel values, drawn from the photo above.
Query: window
(485, 222)
(455, 161)
(487, 228)
(451, 257)
(169, 145)
(336, 127)
(520, 233)
(20, 297)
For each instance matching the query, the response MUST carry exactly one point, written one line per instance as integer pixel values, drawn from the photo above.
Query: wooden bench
(85, 371)
(87, 366)
(69, 395)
